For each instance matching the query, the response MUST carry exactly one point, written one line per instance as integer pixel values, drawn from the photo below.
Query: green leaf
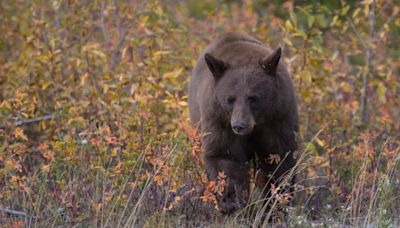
(310, 20)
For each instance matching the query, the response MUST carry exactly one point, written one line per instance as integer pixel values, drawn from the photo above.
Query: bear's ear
(216, 66)
(270, 62)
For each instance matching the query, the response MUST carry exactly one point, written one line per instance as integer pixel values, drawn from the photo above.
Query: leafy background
(93, 110)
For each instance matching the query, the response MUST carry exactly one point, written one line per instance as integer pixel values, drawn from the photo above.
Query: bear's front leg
(235, 192)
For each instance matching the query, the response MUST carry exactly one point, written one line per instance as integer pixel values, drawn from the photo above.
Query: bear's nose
(239, 127)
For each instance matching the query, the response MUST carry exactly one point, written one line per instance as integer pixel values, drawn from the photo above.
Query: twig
(32, 120)
(383, 8)
(16, 213)
(389, 20)
(122, 32)
(367, 58)
(357, 33)
(116, 55)
(103, 22)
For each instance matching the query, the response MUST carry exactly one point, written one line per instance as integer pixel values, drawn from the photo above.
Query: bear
(242, 98)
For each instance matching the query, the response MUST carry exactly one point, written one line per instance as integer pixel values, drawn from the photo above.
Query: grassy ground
(94, 126)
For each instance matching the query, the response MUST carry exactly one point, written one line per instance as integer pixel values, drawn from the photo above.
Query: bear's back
(236, 49)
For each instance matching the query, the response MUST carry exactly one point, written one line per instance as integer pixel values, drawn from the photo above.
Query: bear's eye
(231, 100)
(252, 99)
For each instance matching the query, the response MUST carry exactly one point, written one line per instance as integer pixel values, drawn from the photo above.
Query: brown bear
(242, 96)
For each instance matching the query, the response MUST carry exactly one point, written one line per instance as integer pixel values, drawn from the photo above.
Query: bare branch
(366, 43)
(28, 121)
(367, 58)
(122, 32)
(357, 33)
(390, 19)
(387, 3)
(116, 53)
(103, 21)
(16, 213)
(371, 19)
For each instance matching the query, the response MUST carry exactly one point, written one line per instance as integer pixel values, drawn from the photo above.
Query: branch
(357, 33)
(390, 19)
(116, 57)
(103, 21)
(383, 8)
(122, 32)
(371, 19)
(16, 213)
(367, 59)
(28, 121)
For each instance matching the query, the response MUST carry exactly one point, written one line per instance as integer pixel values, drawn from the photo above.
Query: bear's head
(246, 93)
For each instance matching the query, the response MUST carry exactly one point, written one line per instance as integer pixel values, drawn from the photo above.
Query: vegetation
(94, 125)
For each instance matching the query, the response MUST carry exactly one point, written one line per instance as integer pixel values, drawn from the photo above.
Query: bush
(93, 111)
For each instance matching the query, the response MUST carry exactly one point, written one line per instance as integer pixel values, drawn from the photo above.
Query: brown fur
(243, 98)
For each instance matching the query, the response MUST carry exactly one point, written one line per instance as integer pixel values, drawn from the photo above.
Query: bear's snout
(241, 128)
(242, 120)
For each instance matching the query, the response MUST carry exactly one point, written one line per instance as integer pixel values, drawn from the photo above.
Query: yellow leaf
(344, 10)
(274, 158)
(6, 105)
(173, 74)
(143, 21)
(287, 41)
(45, 168)
(182, 103)
(289, 25)
(114, 152)
(19, 133)
(49, 155)
(99, 53)
(356, 12)
(324, 164)
(320, 142)
(43, 58)
(105, 88)
(381, 92)
(159, 53)
(84, 79)
(45, 85)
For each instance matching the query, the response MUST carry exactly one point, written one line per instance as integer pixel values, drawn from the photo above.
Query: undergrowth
(93, 113)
